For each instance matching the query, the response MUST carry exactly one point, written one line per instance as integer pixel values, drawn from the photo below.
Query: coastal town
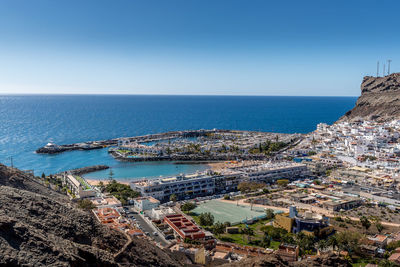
(332, 190)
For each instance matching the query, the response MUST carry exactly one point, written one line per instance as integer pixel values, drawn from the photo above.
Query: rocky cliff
(40, 227)
(379, 100)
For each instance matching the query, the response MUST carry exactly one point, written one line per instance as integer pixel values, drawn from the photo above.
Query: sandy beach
(218, 166)
(94, 182)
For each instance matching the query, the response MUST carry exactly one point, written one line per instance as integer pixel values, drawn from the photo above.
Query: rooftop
(184, 227)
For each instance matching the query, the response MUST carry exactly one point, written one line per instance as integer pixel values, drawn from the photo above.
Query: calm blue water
(29, 122)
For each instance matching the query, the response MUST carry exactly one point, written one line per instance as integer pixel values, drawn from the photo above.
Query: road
(147, 228)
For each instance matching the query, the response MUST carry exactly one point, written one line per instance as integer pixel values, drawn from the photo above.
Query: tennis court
(229, 212)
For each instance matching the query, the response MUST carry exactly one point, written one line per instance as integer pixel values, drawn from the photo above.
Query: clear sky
(201, 47)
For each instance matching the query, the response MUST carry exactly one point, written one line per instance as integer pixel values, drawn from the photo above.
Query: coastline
(217, 166)
(214, 166)
(95, 182)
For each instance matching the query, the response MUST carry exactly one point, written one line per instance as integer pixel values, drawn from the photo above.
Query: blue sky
(222, 47)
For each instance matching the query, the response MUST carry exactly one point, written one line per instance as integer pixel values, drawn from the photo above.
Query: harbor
(52, 148)
(155, 143)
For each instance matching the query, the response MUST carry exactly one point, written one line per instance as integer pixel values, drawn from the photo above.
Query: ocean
(28, 122)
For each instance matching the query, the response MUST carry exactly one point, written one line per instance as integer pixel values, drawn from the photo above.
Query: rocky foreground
(40, 227)
(379, 100)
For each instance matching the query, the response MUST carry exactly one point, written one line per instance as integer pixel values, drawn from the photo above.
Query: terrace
(84, 184)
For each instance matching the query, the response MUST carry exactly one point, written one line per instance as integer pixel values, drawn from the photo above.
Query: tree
(288, 238)
(270, 214)
(218, 228)
(348, 241)
(376, 221)
(266, 240)
(365, 222)
(227, 224)
(387, 263)
(275, 233)
(111, 175)
(122, 192)
(322, 244)
(248, 231)
(332, 241)
(101, 186)
(188, 206)
(317, 182)
(282, 182)
(305, 242)
(206, 219)
(86, 204)
(43, 175)
(393, 245)
(245, 187)
(173, 198)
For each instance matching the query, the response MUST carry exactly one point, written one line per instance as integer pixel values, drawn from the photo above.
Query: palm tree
(111, 175)
(173, 198)
(322, 245)
(332, 241)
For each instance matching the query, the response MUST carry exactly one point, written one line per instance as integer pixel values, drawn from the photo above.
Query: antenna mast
(389, 60)
(377, 69)
(384, 69)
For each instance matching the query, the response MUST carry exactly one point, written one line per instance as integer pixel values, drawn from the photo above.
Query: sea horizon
(128, 94)
(31, 121)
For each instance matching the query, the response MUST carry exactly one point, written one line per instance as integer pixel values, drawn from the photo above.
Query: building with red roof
(183, 227)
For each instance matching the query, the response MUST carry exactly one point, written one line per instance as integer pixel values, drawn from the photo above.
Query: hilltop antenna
(11, 161)
(377, 69)
(389, 60)
(384, 68)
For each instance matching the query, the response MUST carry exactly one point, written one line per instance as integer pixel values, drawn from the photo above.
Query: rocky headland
(379, 100)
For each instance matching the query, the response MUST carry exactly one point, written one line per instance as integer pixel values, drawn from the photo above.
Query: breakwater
(90, 145)
(85, 170)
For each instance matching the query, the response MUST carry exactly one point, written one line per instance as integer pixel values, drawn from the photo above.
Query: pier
(51, 148)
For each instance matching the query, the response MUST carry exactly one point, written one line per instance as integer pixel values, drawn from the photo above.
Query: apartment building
(146, 203)
(271, 172)
(183, 186)
(78, 186)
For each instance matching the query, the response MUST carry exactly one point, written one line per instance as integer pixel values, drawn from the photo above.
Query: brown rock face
(379, 100)
(40, 227)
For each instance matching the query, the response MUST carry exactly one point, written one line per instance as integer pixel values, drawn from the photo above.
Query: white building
(146, 203)
(78, 186)
(159, 213)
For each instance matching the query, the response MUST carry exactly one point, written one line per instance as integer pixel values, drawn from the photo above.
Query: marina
(52, 148)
